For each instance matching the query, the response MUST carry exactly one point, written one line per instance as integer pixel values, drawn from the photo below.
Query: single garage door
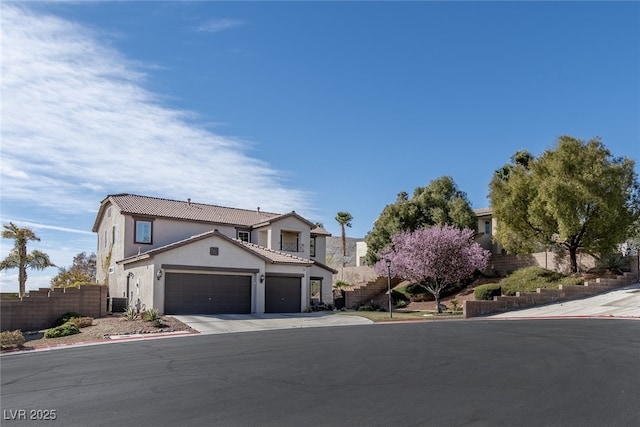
(282, 295)
(189, 293)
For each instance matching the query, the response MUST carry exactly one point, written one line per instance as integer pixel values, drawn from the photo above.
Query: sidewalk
(618, 303)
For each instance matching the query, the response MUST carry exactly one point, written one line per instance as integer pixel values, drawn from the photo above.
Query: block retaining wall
(368, 292)
(546, 296)
(39, 309)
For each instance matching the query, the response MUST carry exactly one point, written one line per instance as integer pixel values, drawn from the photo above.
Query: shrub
(158, 323)
(11, 339)
(130, 314)
(66, 317)
(341, 284)
(151, 315)
(398, 296)
(62, 331)
(529, 279)
(614, 263)
(401, 303)
(82, 322)
(487, 292)
(367, 308)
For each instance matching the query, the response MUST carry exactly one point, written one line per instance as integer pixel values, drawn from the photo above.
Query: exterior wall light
(261, 278)
(159, 274)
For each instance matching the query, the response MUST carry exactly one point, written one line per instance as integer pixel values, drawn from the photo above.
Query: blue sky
(317, 107)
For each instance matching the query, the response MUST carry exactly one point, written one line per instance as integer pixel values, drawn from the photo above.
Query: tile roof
(275, 257)
(185, 209)
(483, 211)
(269, 255)
(132, 204)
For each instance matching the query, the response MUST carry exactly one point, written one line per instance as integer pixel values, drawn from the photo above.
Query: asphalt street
(454, 373)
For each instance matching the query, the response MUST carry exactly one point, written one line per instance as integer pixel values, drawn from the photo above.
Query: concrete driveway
(230, 323)
(620, 303)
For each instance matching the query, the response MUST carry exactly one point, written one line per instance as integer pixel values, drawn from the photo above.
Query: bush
(66, 317)
(529, 279)
(401, 303)
(398, 296)
(367, 308)
(11, 339)
(487, 292)
(341, 284)
(62, 331)
(82, 322)
(130, 314)
(614, 263)
(151, 315)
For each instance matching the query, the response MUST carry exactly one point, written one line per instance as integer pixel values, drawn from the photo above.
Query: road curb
(106, 340)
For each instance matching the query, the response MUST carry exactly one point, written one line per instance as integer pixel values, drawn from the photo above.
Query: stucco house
(486, 227)
(191, 258)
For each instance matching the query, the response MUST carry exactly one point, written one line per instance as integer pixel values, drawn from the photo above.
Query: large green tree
(576, 196)
(439, 203)
(82, 271)
(19, 257)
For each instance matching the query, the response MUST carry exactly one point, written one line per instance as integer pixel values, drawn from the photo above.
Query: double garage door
(189, 293)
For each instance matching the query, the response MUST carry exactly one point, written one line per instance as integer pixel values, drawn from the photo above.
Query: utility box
(117, 305)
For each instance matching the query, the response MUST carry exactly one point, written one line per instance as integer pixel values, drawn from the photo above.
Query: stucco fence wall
(556, 261)
(40, 309)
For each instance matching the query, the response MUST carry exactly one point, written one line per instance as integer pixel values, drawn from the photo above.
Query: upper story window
(312, 247)
(144, 231)
(245, 236)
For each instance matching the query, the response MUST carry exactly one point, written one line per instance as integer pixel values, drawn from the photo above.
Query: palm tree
(344, 219)
(19, 258)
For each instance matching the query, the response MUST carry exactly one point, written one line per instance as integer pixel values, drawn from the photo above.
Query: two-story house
(191, 258)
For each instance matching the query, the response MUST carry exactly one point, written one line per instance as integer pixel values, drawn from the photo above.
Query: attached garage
(283, 294)
(191, 293)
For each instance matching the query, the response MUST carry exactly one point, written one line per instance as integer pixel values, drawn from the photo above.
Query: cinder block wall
(546, 296)
(556, 261)
(40, 309)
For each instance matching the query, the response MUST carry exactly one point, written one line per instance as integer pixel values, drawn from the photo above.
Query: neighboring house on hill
(334, 252)
(191, 258)
(485, 230)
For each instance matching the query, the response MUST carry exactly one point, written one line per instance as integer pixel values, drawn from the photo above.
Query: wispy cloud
(78, 124)
(37, 225)
(217, 25)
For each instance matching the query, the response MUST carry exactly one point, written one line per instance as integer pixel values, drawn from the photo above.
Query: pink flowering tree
(434, 257)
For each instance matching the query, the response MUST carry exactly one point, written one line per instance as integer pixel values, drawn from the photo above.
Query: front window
(316, 290)
(244, 236)
(312, 247)
(143, 232)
